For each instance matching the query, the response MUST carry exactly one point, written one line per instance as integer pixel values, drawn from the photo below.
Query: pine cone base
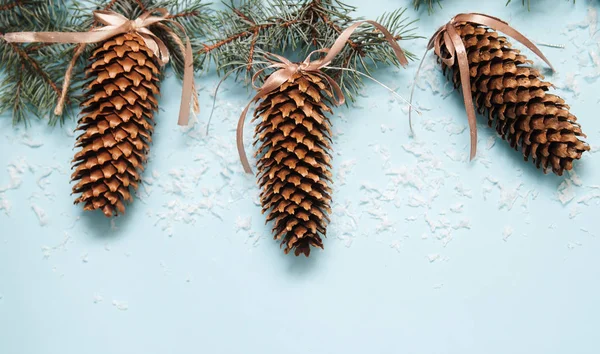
(116, 123)
(294, 161)
(516, 101)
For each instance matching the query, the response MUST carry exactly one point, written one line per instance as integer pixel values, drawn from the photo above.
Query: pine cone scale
(294, 162)
(516, 100)
(116, 124)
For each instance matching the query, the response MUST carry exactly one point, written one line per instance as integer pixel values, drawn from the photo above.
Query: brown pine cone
(116, 123)
(294, 168)
(516, 100)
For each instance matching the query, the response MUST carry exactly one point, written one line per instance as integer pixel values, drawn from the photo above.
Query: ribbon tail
(465, 80)
(341, 99)
(195, 100)
(526, 42)
(240, 137)
(109, 18)
(395, 46)
(188, 86)
(340, 42)
(93, 36)
(188, 91)
(501, 26)
(67, 80)
(412, 91)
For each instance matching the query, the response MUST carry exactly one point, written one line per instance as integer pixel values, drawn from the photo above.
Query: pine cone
(294, 161)
(515, 98)
(116, 123)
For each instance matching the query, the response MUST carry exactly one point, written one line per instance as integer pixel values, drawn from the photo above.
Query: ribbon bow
(449, 37)
(286, 70)
(115, 24)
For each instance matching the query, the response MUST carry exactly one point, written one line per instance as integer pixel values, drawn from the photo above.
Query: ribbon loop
(451, 40)
(286, 70)
(113, 25)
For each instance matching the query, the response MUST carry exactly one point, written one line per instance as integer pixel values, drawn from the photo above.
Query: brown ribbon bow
(286, 69)
(450, 38)
(115, 24)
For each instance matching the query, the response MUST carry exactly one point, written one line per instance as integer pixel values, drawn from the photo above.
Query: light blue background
(426, 252)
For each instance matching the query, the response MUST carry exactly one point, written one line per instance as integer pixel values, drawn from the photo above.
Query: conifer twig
(10, 6)
(252, 28)
(33, 73)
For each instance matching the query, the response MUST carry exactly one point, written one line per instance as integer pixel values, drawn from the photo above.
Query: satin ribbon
(449, 37)
(115, 24)
(286, 70)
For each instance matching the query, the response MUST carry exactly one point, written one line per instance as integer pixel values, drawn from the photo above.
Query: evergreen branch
(256, 28)
(33, 73)
(110, 4)
(244, 17)
(252, 28)
(183, 15)
(12, 13)
(429, 3)
(236, 37)
(528, 2)
(210, 48)
(6, 7)
(252, 49)
(38, 46)
(36, 66)
(338, 30)
(141, 5)
(17, 103)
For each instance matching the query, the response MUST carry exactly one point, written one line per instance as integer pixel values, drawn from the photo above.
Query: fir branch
(429, 3)
(141, 5)
(109, 5)
(10, 6)
(250, 29)
(528, 2)
(35, 66)
(335, 27)
(33, 73)
(13, 13)
(184, 15)
(252, 48)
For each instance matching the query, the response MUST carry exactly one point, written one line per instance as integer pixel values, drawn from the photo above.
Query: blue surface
(426, 252)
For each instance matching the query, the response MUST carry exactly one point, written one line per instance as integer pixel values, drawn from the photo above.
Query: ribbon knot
(287, 69)
(448, 37)
(135, 24)
(116, 24)
(301, 67)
